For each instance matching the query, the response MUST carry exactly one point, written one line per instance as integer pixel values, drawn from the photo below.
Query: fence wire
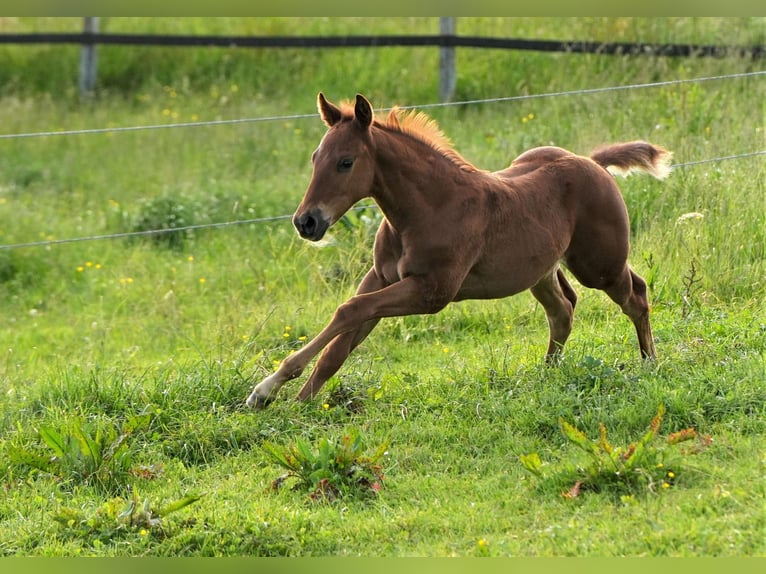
(259, 220)
(234, 121)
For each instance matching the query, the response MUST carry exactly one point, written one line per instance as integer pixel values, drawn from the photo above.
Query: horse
(452, 231)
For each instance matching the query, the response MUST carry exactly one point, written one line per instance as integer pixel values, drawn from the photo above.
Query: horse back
(574, 180)
(533, 159)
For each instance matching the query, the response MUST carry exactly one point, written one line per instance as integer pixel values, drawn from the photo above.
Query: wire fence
(586, 91)
(262, 220)
(271, 219)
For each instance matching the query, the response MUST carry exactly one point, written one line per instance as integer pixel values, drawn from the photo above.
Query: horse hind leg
(558, 299)
(629, 292)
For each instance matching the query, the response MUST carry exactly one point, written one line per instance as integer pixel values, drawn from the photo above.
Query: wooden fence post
(447, 77)
(88, 60)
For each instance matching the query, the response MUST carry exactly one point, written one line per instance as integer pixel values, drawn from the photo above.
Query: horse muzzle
(311, 224)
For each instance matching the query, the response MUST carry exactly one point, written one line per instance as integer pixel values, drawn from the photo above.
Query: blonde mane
(419, 126)
(425, 129)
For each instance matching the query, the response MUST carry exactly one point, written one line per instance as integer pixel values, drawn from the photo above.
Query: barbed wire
(270, 219)
(291, 117)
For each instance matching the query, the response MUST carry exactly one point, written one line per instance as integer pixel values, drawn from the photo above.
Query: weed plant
(335, 468)
(101, 458)
(637, 469)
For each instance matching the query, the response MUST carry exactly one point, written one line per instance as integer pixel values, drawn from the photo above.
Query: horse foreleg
(340, 348)
(333, 357)
(402, 298)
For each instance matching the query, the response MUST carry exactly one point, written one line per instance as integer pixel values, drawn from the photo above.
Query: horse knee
(349, 314)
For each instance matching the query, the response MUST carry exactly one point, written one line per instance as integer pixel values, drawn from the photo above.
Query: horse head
(343, 167)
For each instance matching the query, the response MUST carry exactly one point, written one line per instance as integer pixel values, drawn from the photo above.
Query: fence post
(447, 77)
(88, 59)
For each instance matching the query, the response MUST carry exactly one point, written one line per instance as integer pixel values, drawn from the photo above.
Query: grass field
(124, 363)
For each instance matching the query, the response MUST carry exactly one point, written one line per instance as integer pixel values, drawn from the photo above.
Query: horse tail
(623, 158)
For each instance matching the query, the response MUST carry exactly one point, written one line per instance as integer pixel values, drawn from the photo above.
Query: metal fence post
(447, 76)
(88, 59)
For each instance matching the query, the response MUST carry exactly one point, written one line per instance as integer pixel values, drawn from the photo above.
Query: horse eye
(345, 164)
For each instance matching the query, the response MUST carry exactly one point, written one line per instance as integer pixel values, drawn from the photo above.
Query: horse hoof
(258, 403)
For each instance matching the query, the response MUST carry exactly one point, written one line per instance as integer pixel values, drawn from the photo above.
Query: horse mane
(424, 128)
(419, 126)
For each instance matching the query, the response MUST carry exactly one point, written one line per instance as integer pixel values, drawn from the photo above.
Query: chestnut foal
(452, 231)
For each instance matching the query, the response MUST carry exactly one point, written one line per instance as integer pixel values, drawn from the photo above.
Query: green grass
(97, 335)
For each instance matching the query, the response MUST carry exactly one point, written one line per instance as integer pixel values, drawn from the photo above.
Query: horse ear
(330, 113)
(363, 111)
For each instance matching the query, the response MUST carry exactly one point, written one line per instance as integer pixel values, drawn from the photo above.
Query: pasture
(125, 362)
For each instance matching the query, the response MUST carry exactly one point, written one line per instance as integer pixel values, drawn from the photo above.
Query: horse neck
(411, 177)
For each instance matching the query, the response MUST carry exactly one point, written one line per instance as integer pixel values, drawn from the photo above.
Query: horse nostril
(306, 225)
(311, 225)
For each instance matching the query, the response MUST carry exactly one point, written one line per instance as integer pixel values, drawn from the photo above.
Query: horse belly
(480, 289)
(518, 248)
(499, 282)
